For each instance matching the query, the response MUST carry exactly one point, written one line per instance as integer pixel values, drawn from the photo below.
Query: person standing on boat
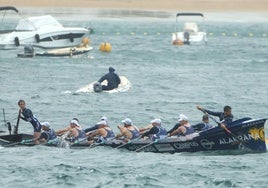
(103, 133)
(157, 131)
(47, 134)
(185, 128)
(112, 78)
(128, 131)
(205, 125)
(225, 117)
(27, 115)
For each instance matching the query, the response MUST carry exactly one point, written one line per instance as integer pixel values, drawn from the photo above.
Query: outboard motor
(28, 51)
(97, 87)
(186, 38)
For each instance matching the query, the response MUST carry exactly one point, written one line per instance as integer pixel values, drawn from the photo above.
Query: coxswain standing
(27, 115)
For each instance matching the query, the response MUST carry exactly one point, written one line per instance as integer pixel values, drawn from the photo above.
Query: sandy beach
(163, 5)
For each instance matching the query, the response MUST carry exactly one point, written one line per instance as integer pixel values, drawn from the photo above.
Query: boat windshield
(37, 22)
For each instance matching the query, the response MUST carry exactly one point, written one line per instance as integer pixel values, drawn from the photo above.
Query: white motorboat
(41, 32)
(188, 32)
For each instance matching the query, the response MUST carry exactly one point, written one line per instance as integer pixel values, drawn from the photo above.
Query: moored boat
(43, 32)
(190, 31)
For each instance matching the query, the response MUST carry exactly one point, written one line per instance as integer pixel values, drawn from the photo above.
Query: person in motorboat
(101, 134)
(96, 126)
(226, 117)
(157, 131)
(76, 133)
(185, 128)
(128, 131)
(186, 36)
(48, 134)
(205, 125)
(65, 130)
(112, 78)
(27, 115)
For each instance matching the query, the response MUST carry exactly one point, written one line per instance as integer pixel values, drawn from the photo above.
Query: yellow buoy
(105, 47)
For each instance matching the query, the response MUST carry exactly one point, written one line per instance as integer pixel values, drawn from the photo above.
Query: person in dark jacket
(27, 115)
(112, 78)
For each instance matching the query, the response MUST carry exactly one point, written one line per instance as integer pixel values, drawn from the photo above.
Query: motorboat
(189, 31)
(92, 87)
(41, 32)
(60, 52)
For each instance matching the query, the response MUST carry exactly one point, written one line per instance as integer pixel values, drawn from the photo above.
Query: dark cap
(205, 117)
(111, 69)
(226, 108)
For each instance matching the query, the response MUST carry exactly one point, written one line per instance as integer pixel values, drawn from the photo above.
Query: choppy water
(167, 80)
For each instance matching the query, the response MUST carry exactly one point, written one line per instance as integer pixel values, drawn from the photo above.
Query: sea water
(230, 69)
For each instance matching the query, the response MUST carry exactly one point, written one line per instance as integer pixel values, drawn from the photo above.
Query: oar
(18, 143)
(143, 147)
(79, 141)
(4, 114)
(122, 145)
(17, 124)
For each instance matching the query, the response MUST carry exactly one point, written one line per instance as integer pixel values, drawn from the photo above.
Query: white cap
(104, 118)
(102, 123)
(156, 121)
(75, 122)
(46, 124)
(127, 121)
(183, 117)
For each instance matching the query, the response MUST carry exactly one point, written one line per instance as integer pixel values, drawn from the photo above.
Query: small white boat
(188, 32)
(40, 32)
(124, 86)
(61, 52)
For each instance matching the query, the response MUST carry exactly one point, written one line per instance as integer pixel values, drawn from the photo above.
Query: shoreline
(151, 5)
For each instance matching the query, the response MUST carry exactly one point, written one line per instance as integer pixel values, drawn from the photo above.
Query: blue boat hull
(246, 135)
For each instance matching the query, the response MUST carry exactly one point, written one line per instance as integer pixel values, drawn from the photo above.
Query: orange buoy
(105, 47)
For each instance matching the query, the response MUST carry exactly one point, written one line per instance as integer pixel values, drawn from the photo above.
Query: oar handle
(17, 124)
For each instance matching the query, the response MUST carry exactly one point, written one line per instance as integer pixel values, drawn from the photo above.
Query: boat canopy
(9, 8)
(36, 22)
(189, 14)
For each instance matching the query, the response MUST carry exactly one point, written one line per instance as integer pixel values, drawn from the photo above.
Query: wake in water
(124, 86)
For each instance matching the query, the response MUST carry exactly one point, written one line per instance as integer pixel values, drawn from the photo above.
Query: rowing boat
(245, 135)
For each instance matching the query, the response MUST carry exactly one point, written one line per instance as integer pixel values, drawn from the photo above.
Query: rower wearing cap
(96, 126)
(128, 131)
(63, 131)
(185, 128)
(103, 132)
(157, 131)
(76, 133)
(47, 133)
